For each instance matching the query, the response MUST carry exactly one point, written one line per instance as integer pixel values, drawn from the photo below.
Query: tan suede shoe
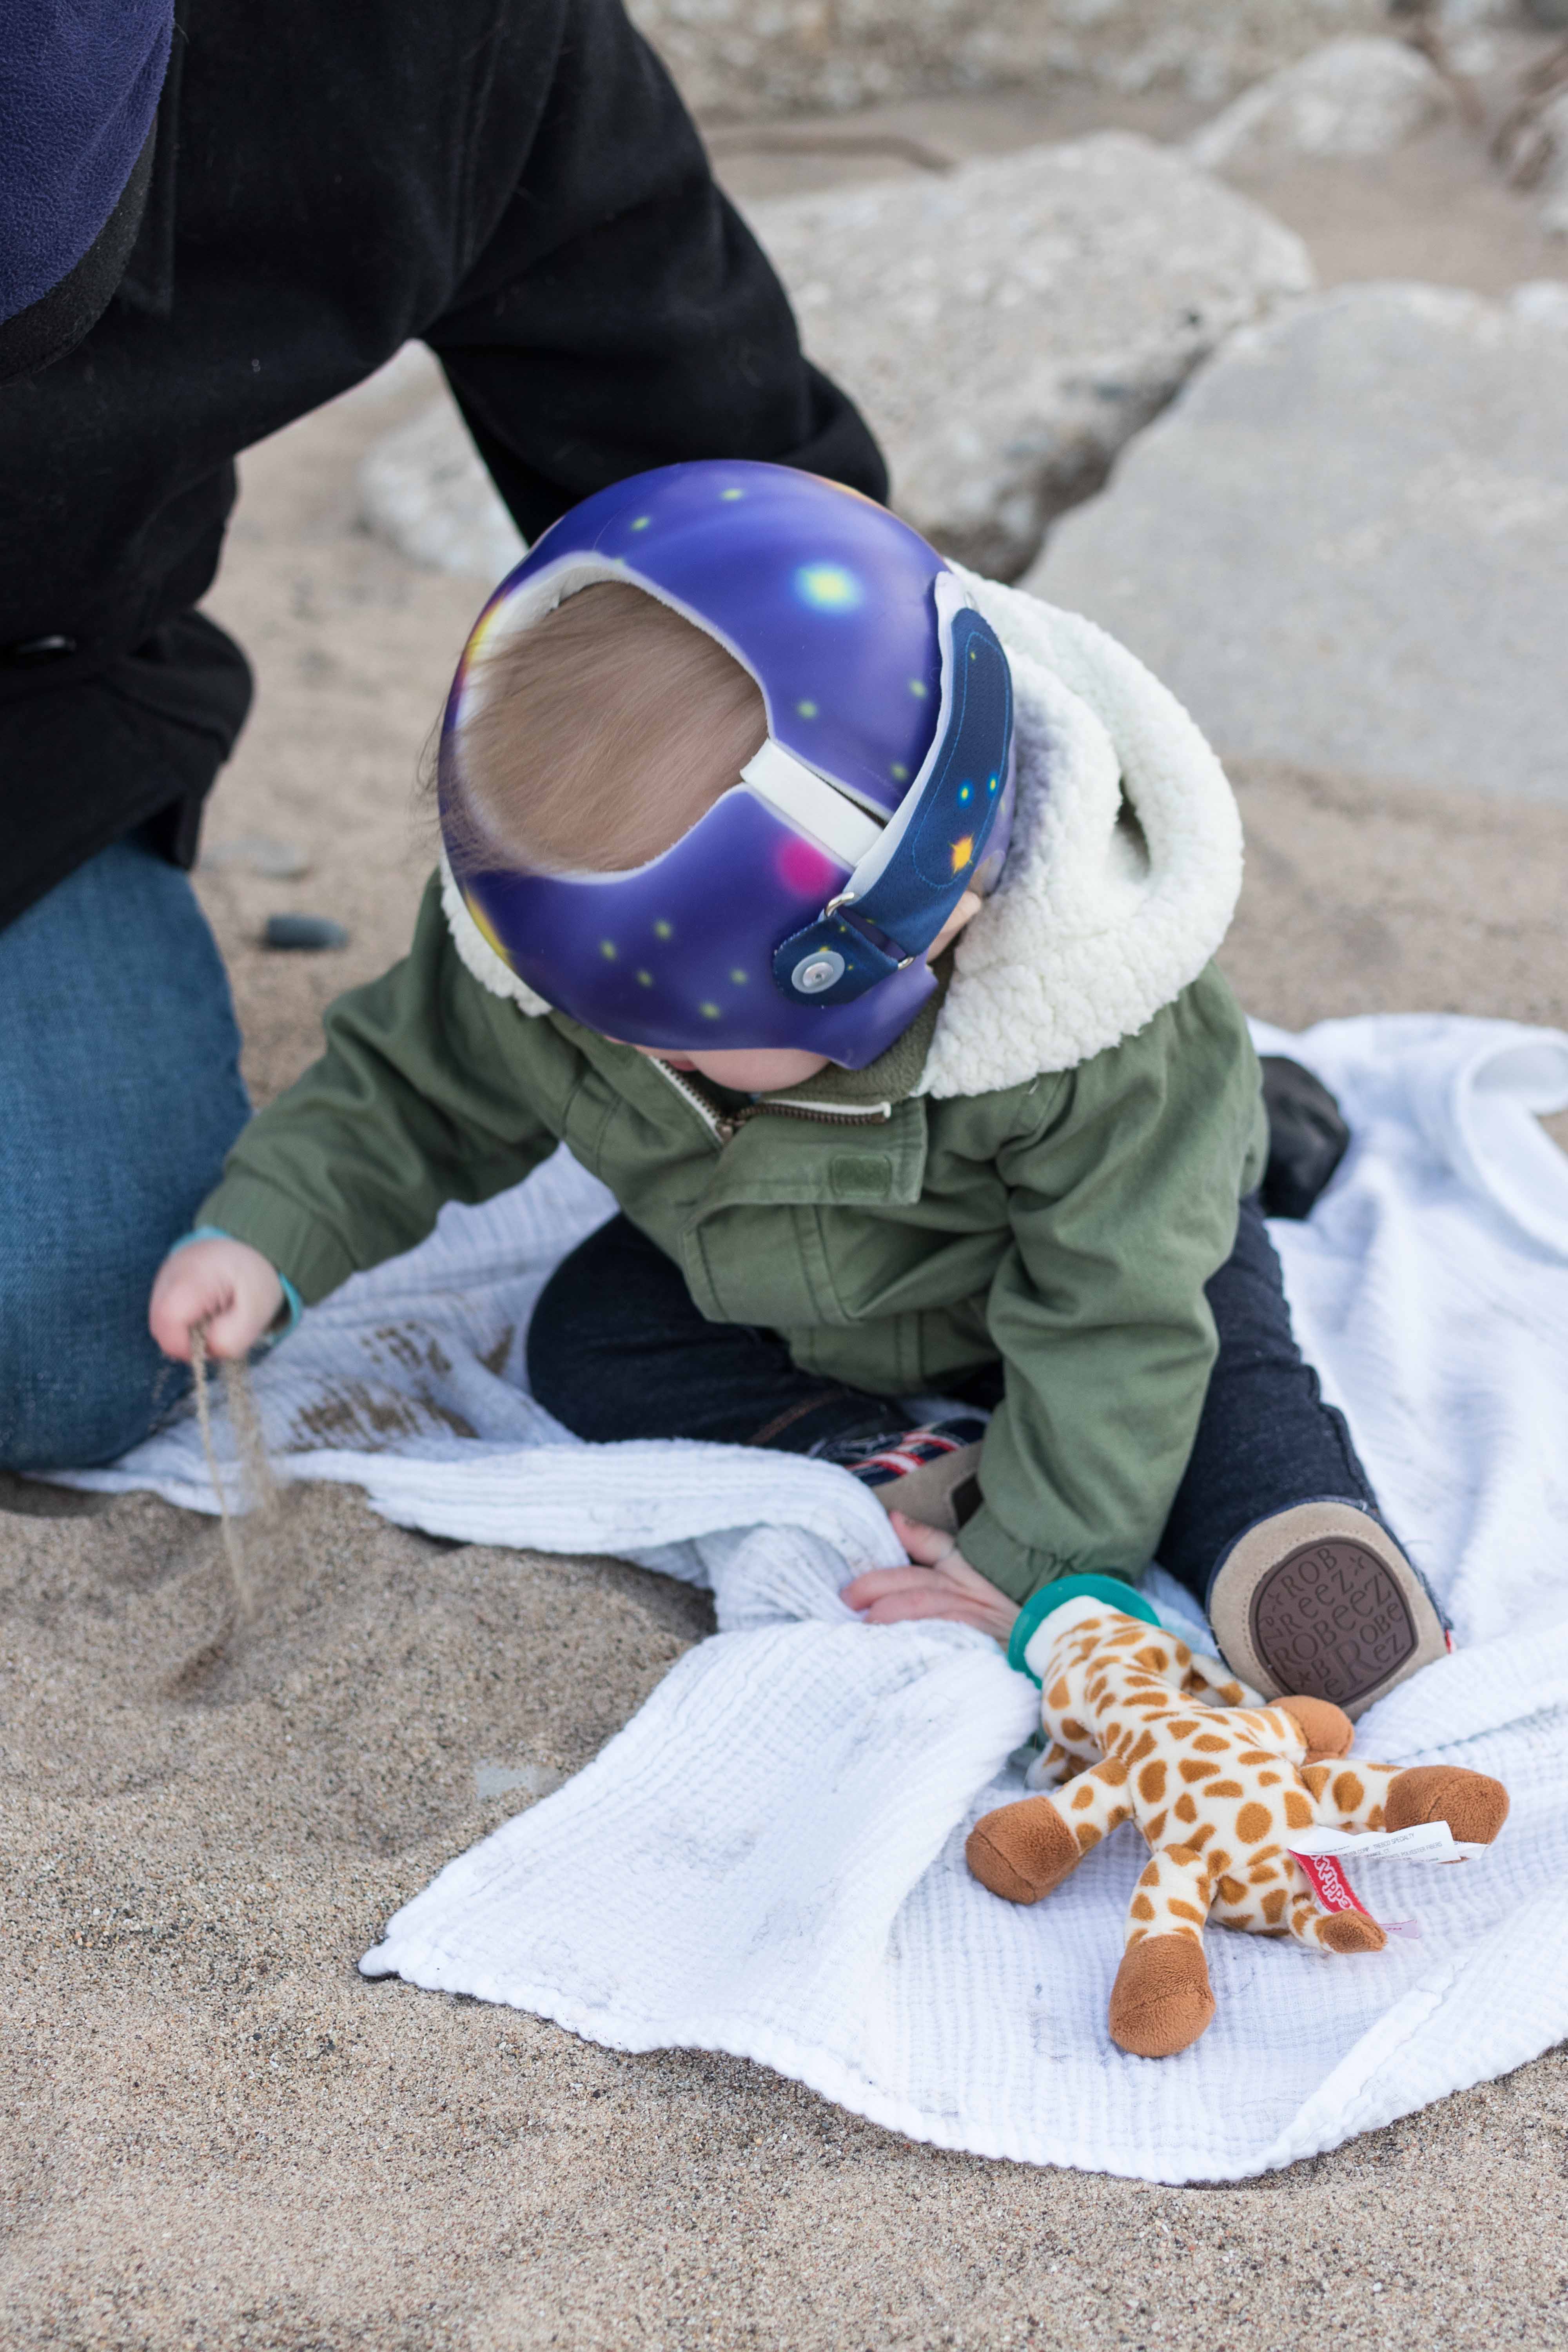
(1320, 1600)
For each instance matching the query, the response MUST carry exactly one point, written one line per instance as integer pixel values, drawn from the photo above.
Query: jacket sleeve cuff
(1019, 1570)
(307, 1253)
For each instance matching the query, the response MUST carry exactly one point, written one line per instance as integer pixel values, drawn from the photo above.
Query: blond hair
(603, 733)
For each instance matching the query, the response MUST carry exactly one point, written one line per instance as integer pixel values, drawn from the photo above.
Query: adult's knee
(79, 1387)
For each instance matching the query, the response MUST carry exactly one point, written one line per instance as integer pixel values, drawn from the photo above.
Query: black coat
(516, 183)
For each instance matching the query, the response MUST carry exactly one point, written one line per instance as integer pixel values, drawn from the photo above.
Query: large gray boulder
(1346, 545)
(1348, 98)
(760, 57)
(1008, 326)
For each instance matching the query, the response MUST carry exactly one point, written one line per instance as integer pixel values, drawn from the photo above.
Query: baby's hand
(225, 1284)
(938, 1583)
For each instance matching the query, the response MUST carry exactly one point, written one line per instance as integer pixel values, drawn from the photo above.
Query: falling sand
(258, 1493)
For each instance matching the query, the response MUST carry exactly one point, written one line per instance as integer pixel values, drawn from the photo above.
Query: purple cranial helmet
(798, 909)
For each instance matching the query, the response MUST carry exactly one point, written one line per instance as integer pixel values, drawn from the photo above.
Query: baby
(852, 919)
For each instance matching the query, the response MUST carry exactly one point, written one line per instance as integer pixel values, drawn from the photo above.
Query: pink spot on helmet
(802, 867)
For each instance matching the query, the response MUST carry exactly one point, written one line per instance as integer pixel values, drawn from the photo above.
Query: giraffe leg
(1332, 1931)
(1161, 2002)
(1474, 1805)
(1021, 1852)
(1353, 1794)
(1348, 1793)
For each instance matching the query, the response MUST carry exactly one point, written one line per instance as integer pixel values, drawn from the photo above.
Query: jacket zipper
(723, 1128)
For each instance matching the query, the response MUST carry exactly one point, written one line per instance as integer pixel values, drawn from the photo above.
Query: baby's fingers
(224, 1285)
(929, 1546)
(182, 1298)
(883, 1584)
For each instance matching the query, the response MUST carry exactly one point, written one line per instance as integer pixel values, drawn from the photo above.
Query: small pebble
(276, 861)
(308, 931)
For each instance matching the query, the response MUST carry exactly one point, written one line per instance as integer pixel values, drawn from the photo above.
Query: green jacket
(1067, 1224)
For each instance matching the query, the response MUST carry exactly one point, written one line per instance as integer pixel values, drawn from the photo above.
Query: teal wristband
(293, 1305)
(1111, 1590)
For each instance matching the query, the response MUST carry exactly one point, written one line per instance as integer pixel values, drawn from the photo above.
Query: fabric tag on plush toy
(1422, 1842)
(1321, 1852)
(1331, 1887)
(1335, 1892)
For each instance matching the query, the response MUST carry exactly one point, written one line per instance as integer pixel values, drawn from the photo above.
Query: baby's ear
(968, 907)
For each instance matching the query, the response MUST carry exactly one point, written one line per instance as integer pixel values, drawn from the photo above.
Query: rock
(423, 488)
(255, 853)
(1543, 302)
(755, 58)
(1346, 545)
(311, 933)
(1348, 98)
(1008, 326)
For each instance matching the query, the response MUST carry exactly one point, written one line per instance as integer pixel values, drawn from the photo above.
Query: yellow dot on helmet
(963, 851)
(709, 1011)
(485, 928)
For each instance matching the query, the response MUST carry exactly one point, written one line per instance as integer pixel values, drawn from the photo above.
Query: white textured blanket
(769, 1859)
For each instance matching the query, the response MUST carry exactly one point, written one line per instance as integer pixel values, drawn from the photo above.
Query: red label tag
(1333, 1888)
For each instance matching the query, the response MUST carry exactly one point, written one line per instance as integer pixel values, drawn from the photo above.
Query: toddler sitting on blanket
(852, 919)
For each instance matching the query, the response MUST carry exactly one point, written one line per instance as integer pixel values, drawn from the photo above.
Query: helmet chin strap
(913, 875)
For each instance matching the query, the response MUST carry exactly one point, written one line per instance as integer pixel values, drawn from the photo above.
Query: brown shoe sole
(933, 1494)
(1320, 1599)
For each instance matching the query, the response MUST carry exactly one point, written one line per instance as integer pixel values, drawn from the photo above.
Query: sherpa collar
(1119, 885)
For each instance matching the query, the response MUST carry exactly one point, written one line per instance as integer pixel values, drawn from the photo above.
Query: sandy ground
(217, 2134)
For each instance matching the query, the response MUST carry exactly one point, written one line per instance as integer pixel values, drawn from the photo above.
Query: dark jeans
(616, 1350)
(120, 1093)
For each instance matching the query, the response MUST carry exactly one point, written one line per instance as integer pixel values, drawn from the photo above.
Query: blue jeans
(617, 1349)
(120, 1094)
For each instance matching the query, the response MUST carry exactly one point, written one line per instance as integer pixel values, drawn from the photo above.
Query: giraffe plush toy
(1138, 1728)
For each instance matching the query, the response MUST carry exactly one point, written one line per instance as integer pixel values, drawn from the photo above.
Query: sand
(218, 2134)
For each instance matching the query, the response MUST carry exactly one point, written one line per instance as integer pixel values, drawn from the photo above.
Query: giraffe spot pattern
(1153, 1722)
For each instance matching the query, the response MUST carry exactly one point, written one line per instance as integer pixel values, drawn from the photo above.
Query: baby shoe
(929, 1472)
(1320, 1601)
